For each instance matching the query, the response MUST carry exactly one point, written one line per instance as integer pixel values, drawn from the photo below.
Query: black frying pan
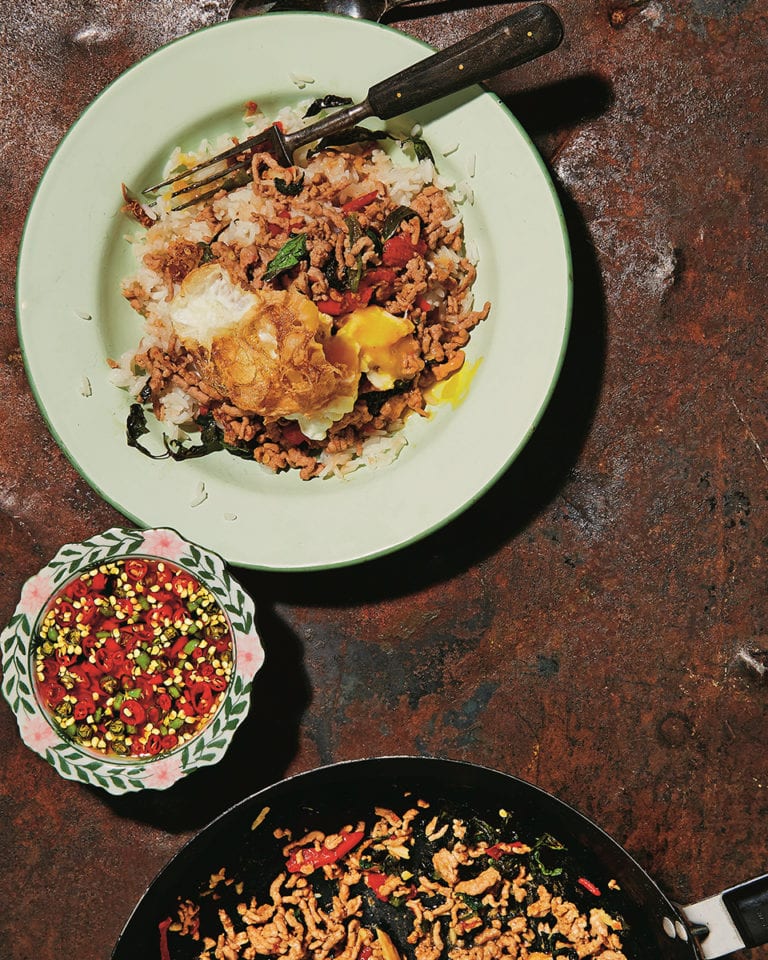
(329, 797)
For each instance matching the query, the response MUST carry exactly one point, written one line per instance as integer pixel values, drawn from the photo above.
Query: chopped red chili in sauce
(132, 658)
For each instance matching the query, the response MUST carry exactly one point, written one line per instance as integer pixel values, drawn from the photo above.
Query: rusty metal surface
(598, 622)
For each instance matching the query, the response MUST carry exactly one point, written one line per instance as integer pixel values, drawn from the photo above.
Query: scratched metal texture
(598, 622)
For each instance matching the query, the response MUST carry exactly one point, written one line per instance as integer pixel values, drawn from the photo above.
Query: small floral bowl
(129, 660)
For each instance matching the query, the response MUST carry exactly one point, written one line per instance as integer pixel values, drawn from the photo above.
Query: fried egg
(273, 353)
(387, 349)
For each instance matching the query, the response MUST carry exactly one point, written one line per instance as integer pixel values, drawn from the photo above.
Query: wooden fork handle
(515, 40)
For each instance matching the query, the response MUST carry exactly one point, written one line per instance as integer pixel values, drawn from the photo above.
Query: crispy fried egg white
(272, 352)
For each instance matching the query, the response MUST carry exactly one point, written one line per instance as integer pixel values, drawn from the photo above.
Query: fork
(514, 40)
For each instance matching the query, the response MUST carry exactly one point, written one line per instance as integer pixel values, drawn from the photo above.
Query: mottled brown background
(583, 625)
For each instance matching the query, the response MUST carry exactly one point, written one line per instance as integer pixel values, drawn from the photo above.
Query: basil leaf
(331, 272)
(292, 252)
(135, 427)
(323, 103)
(353, 275)
(394, 220)
(546, 842)
(353, 135)
(373, 236)
(292, 189)
(421, 148)
(210, 442)
(353, 228)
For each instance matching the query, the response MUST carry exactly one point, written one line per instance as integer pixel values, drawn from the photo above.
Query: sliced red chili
(158, 616)
(135, 569)
(65, 659)
(424, 305)
(82, 709)
(99, 582)
(499, 849)
(132, 713)
(54, 694)
(66, 611)
(199, 697)
(321, 856)
(358, 203)
(165, 953)
(398, 250)
(589, 886)
(88, 611)
(76, 589)
(332, 307)
(184, 583)
(104, 659)
(125, 605)
(376, 881)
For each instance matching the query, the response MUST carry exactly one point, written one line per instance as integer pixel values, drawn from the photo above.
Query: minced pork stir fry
(418, 885)
(299, 319)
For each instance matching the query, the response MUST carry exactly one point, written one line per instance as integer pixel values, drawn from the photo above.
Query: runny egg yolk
(453, 389)
(385, 343)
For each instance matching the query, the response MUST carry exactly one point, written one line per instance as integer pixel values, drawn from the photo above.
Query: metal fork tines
(222, 179)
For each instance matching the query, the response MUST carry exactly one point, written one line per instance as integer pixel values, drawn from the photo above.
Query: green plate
(71, 314)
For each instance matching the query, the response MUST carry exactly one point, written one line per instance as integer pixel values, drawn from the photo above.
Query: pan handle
(731, 920)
